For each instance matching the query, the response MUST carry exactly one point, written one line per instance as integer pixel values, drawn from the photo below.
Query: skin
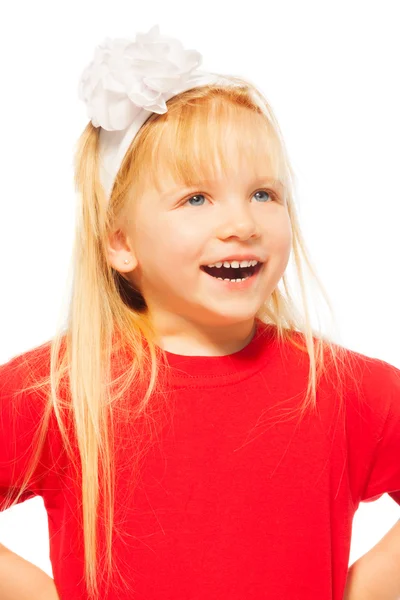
(166, 239)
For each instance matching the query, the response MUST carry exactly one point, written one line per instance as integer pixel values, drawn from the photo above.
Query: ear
(119, 250)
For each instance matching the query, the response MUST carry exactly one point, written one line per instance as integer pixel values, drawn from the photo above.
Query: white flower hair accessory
(126, 76)
(127, 81)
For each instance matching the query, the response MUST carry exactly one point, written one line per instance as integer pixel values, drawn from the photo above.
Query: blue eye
(272, 196)
(265, 192)
(192, 197)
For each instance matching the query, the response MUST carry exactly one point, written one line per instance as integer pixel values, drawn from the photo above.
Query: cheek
(183, 240)
(284, 244)
(161, 242)
(279, 234)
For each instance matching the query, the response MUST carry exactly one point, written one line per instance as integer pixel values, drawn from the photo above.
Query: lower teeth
(233, 280)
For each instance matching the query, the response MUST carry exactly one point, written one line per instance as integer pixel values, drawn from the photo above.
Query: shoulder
(34, 358)
(22, 385)
(27, 368)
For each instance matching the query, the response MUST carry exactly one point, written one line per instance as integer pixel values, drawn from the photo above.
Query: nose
(239, 221)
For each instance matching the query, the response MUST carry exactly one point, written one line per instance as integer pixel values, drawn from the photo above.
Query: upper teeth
(236, 264)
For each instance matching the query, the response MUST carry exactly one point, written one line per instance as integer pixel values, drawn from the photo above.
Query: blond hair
(108, 345)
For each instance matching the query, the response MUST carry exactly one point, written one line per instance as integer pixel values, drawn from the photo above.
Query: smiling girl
(191, 435)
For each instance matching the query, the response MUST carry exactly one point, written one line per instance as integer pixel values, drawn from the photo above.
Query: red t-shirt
(237, 498)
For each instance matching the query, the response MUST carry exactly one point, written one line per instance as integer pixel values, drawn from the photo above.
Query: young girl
(189, 432)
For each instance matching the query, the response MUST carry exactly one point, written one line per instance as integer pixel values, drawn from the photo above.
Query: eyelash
(273, 195)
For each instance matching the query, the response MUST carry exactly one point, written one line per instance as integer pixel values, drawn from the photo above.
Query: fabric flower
(127, 76)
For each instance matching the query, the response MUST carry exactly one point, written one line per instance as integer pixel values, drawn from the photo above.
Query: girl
(189, 432)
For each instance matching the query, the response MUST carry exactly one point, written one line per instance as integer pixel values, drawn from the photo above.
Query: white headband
(127, 81)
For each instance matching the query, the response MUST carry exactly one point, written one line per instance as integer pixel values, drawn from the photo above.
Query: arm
(376, 575)
(21, 580)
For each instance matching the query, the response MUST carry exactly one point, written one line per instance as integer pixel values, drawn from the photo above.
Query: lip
(238, 257)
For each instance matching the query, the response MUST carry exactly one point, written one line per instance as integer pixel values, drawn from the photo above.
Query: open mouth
(231, 272)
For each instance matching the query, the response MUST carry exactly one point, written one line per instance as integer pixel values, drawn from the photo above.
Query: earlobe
(119, 253)
(121, 260)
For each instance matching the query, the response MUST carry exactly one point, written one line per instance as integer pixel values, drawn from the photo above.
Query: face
(169, 235)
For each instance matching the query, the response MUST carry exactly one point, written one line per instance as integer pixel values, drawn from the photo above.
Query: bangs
(200, 142)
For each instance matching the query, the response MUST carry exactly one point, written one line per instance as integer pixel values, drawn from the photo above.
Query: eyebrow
(278, 183)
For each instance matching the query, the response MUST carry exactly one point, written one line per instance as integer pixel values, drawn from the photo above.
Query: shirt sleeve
(374, 430)
(20, 417)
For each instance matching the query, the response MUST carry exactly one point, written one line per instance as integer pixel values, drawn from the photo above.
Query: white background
(330, 71)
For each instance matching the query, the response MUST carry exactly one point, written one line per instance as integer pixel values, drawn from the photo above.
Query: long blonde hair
(108, 345)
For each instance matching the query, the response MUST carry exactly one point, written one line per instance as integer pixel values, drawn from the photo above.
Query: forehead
(211, 147)
(218, 161)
